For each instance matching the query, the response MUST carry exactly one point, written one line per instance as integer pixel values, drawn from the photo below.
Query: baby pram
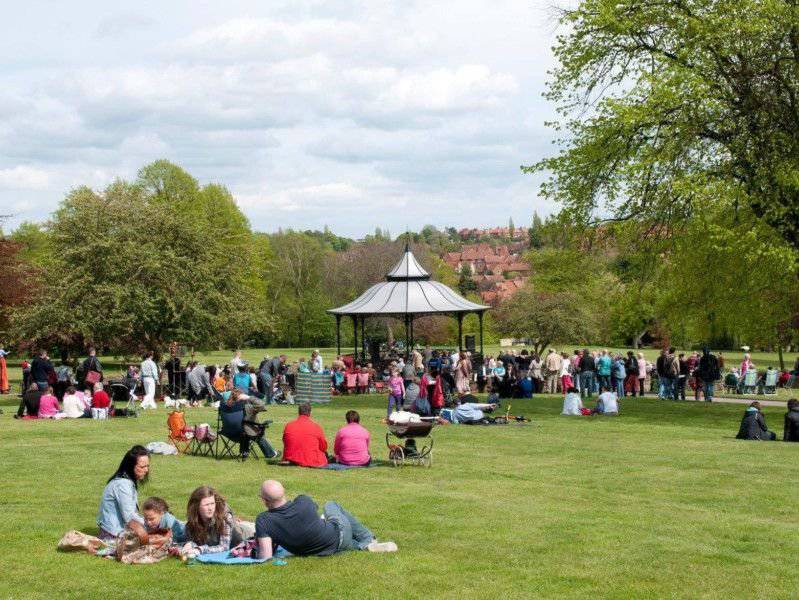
(123, 391)
(409, 452)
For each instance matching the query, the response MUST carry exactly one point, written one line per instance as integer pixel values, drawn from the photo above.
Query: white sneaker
(376, 546)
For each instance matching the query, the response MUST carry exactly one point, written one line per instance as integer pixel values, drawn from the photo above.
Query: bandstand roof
(408, 289)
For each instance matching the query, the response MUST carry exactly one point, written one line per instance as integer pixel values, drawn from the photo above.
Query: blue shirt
(467, 412)
(603, 365)
(178, 528)
(118, 505)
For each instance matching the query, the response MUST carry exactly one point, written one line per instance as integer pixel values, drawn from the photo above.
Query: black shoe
(17, 417)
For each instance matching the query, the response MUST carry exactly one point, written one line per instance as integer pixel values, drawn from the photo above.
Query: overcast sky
(348, 114)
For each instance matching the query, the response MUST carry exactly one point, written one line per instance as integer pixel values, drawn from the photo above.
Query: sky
(349, 114)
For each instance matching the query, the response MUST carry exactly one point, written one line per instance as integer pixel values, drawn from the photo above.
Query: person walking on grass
(149, 376)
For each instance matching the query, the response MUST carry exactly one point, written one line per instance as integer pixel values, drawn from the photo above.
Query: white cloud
(23, 178)
(297, 107)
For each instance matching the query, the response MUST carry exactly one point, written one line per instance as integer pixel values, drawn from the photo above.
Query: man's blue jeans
(708, 391)
(266, 382)
(604, 381)
(587, 382)
(620, 388)
(352, 535)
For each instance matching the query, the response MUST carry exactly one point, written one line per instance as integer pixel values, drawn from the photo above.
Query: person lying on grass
(210, 524)
(296, 526)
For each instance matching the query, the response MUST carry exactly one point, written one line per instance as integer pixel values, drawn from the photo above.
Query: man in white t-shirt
(607, 404)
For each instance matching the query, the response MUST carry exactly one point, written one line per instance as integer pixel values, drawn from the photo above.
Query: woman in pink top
(352, 442)
(48, 405)
(396, 392)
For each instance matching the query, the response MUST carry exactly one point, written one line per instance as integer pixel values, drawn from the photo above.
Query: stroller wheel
(396, 456)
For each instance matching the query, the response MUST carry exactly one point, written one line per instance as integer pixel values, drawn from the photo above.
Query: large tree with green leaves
(669, 103)
(141, 264)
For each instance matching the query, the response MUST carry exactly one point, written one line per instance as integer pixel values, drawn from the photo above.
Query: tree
(671, 104)
(546, 318)
(297, 295)
(158, 260)
(511, 228)
(465, 282)
(536, 240)
(18, 279)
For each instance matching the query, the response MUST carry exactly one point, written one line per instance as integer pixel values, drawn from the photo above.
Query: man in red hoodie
(304, 442)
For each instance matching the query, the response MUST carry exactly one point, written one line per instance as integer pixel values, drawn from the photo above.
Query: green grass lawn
(659, 502)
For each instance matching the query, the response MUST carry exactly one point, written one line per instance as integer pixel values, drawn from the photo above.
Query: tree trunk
(782, 358)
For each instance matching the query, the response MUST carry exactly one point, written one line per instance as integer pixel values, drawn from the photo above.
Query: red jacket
(100, 399)
(304, 443)
(437, 401)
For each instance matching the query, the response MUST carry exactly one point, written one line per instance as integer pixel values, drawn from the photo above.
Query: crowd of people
(211, 526)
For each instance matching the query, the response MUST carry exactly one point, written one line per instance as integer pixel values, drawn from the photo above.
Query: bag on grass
(92, 377)
(77, 541)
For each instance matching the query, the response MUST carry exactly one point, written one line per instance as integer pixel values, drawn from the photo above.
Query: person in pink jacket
(48, 405)
(352, 442)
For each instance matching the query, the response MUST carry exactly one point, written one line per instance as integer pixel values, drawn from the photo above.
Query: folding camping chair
(770, 381)
(180, 435)
(230, 435)
(352, 382)
(749, 382)
(202, 444)
(363, 383)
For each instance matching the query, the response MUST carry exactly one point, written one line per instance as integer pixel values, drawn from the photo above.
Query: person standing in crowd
(317, 366)
(565, 373)
(746, 365)
(631, 366)
(428, 355)
(660, 365)
(4, 387)
(237, 363)
(41, 369)
(535, 372)
(90, 363)
(682, 377)
(707, 373)
(463, 374)
(603, 366)
(417, 361)
(641, 374)
(64, 379)
(619, 375)
(149, 377)
(672, 373)
(552, 367)
(587, 373)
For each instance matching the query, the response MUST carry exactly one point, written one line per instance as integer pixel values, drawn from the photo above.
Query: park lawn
(659, 502)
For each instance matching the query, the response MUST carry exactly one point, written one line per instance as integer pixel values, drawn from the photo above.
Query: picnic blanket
(225, 558)
(339, 467)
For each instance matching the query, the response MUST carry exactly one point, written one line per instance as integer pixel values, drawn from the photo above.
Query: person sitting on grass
(572, 403)
(75, 405)
(351, 446)
(607, 403)
(119, 504)
(100, 398)
(29, 405)
(48, 405)
(791, 431)
(753, 425)
(304, 442)
(296, 526)
(210, 524)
